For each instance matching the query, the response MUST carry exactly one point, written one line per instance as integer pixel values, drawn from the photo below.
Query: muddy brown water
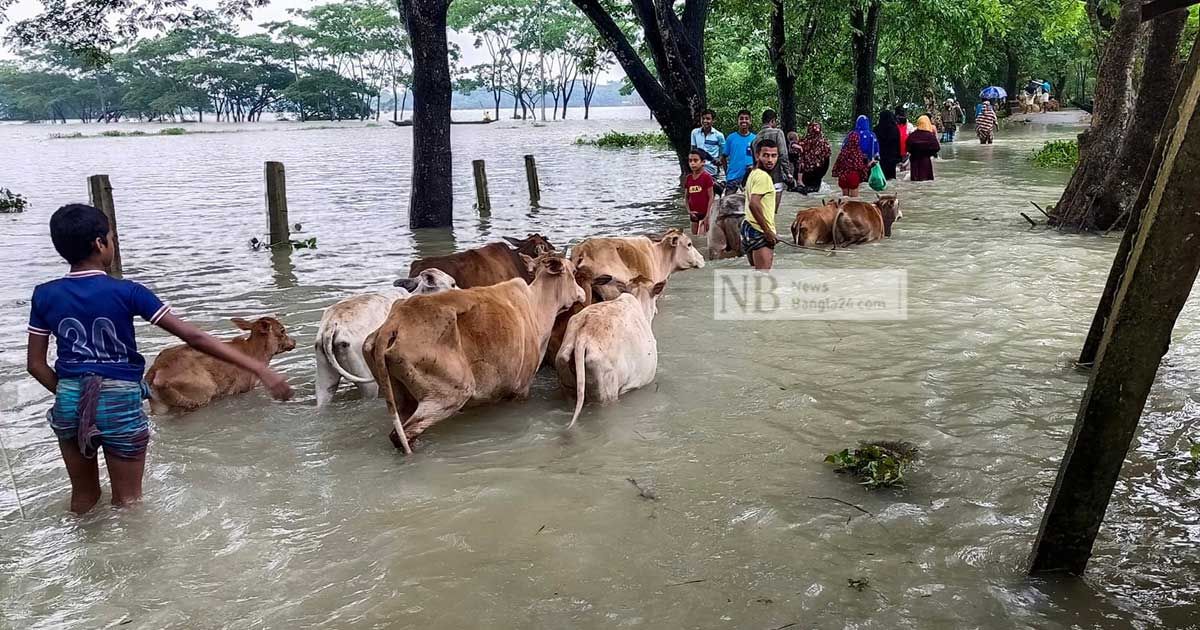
(267, 515)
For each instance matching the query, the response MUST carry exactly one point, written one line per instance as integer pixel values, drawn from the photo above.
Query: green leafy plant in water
(308, 243)
(117, 133)
(1057, 154)
(11, 202)
(876, 464)
(172, 131)
(619, 140)
(1192, 466)
(65, 136)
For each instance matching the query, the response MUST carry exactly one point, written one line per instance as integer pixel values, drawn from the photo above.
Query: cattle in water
(436, 354)
(846, 222)
(625, 258)
(491, 264)
(609, 348)
(595, 289)
(346, 325)
(724, 227)
(184, 379)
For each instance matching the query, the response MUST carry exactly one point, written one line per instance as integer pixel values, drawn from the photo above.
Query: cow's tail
(837, 220)
(389, 393)
(580, 382)
(332, 356)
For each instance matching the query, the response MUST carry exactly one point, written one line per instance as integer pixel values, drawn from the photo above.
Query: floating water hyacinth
(879, 464)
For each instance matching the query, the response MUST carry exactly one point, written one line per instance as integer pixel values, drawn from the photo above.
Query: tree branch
(647, 85)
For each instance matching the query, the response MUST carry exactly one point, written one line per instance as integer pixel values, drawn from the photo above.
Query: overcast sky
(277, 11)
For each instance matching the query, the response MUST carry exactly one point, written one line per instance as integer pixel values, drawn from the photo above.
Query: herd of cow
(474, 327)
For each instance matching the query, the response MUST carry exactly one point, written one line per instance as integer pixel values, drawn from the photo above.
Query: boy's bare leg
(764, 258)
(85, 477)
(695, 227)
(125, 476)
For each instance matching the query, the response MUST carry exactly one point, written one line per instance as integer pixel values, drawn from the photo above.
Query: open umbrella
(993, 93)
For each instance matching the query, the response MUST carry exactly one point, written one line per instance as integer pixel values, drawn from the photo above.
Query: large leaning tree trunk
(864, 21)
(1100, 144)
(431, 197)
(1160, 73)
(785, 79)
(1116, 274)
(675, 92)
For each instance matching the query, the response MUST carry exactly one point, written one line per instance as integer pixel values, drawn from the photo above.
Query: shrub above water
(619, 140)
(1057, 154)
(172, 131)
(11, 201)
(876, 464)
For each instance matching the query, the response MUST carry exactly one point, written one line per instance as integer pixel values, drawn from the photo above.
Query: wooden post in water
(1162, 268)
(100, 193)
(277, 210)
(531, 177)
(482, 201)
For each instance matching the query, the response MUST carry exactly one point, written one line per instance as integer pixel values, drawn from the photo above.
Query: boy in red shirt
(698, 188)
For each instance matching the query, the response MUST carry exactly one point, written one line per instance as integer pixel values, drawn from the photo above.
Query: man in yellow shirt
(758, 228)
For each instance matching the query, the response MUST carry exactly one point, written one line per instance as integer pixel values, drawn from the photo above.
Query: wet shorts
(697, 217)
(850, 181)
(118, 422)
(752, 239)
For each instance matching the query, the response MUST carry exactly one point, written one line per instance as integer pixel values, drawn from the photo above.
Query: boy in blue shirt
(97, 379)
(740, 157)
(710, 141)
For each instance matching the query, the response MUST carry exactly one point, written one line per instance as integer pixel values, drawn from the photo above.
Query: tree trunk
(1091, 345)
(1160, 74)
(864, 21)
(431, 197)
(1100, 144)
(1012, 76)
(785, 79)
(678, 93)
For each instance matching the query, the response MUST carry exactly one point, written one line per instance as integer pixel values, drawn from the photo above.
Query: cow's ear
(672, 240)
(601, 280)
(555, 265)
(242, 324)
(516, 242)
(657, 289)
(530, 263)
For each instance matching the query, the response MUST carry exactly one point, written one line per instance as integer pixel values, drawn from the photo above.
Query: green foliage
(308, 243)
(1057, 154)
(876, 464)
(11, 202)
(619, 140)
(172, 131)
(117, 133)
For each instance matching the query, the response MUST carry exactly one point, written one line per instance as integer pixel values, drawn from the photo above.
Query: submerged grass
(1057, 154)
(879, 464)
(619, 140)
(11, 202)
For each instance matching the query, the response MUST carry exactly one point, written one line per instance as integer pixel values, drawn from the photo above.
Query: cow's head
(554, 278)
(678, 249)
(267, 331)
(597, 288)
(533, 245)
(646, 292)
(889, 209)
(426, 282)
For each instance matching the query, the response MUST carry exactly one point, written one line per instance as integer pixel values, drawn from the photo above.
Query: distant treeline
(338, 61)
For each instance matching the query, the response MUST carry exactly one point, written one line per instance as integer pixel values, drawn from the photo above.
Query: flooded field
(276, 515)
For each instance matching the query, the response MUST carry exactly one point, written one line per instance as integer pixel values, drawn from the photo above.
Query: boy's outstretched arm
(36, 365)
(213, 347)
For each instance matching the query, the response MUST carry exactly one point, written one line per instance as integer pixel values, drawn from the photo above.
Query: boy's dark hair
(766, 143)
(74, 229)
(698, 153)
(768, 116)
(708, 112)
(746, 112)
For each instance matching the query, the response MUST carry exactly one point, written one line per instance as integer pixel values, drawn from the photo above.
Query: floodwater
(276, 515)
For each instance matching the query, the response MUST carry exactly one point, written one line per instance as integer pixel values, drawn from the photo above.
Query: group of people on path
(764, 164)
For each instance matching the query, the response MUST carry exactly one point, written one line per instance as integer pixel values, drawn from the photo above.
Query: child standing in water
(850, 168)
(97, 379)
(698, 188)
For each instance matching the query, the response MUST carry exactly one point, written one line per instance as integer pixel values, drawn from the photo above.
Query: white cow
(346, 325)
(609, 347)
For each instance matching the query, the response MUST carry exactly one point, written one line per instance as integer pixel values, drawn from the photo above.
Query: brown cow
(183, 378)
(860, 222)
(625, 258)
(491, 264)
(856, 222)
(438, 353)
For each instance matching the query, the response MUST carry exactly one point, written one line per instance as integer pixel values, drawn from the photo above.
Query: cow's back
(484, 266)
(622, 258)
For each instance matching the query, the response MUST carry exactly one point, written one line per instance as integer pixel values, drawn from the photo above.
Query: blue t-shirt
(90, 315)
(741, 156)
(713, 143)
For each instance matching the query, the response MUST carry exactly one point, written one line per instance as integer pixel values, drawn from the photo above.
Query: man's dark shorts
(752, 239)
